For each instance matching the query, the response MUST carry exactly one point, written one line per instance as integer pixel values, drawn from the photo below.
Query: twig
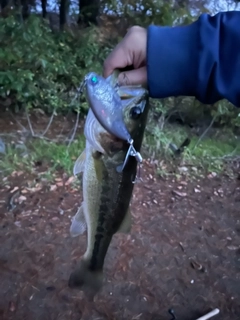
(49, 124)
(74, 131)
(34, 135)
(15, 119)
(228, 157)
(8, 134)
(64, 123)
(30, 125)
(209, 315)
(37, 136)
(204, 133)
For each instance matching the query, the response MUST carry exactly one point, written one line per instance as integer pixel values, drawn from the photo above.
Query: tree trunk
(63, 13)
(25, 9)
(44, 8)
(88, 11)
(4, 4)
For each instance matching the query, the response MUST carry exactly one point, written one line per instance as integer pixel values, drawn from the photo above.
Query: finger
(116, 60)
(134, 77)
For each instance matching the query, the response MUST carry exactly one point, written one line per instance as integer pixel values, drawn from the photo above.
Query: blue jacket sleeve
(201, 59)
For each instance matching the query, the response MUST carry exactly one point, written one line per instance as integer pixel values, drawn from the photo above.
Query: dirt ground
(183, 252)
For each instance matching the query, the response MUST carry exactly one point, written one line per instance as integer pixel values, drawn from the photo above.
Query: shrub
(42, 69)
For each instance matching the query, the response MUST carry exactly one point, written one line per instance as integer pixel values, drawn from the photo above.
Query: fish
(107, 192)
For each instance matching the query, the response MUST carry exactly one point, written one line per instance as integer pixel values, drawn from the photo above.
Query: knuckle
(135, 33)
(134, 29)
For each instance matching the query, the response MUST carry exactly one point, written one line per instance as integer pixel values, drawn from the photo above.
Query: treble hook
(138, 176)
(130, 153)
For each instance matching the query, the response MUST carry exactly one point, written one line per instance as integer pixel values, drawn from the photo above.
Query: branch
(29, 124)
(15, 119)
(74, 131)
(204, 133)
(49, 124)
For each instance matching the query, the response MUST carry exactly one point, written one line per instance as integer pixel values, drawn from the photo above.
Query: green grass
(46, 158)
(42, 156)
(211, 154)
(208, 154)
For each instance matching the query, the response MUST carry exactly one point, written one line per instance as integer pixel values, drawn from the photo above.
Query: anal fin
(78, 225)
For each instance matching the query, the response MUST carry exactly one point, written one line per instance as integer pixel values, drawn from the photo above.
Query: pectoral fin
(126, 225)
(78, 225)
(79, 164)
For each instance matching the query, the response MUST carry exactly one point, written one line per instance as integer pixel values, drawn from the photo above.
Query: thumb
(133, 77)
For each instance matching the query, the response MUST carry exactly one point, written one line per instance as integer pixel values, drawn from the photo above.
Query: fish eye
(94, 80)
(135, 112)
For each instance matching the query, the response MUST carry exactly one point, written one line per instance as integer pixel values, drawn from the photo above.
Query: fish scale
(111, 213)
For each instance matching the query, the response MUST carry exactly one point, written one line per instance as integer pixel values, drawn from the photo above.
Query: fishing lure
(104, 99)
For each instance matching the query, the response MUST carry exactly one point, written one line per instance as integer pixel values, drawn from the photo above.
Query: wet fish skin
(106, 192)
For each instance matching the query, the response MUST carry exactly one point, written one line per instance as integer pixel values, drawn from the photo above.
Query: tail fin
(83, 278)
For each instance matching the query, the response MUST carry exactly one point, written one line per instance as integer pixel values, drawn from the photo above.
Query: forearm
(201, 59)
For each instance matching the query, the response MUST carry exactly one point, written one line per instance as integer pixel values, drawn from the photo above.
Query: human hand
(130, 52)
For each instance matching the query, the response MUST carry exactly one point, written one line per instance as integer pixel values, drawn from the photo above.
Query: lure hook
(130, 153)
(138, 175)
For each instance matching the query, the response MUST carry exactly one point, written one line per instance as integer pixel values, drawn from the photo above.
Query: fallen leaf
(59, 184)
(14, 189)
(180, 194)
(212, 175)
(18, 224)
(19, 173)
(55, 219)
(12, 306)
(70, 180)
(183, 169)
(35, 189)
(232, 247)
(61, 211)
(21, 199)
(53, 187)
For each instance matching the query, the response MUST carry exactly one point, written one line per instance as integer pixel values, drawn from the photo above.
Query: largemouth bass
(107, 191)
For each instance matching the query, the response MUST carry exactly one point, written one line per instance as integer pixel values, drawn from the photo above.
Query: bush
(42, 69)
